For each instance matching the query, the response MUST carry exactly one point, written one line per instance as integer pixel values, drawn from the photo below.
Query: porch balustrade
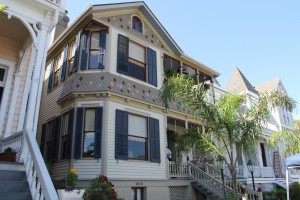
(178, 170)
(28, 153)
(259, 172)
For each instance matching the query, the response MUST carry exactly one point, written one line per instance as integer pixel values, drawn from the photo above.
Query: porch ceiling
(13, 29)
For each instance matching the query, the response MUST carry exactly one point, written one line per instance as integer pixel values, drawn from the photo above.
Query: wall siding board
(87, 168)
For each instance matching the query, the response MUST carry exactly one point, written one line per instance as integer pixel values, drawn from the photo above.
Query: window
(137, 24)
(89, 132)
(71, 55)
(94, 50)
(57, 66)
(136, 60)
(49, 140)
(2, 81)
(263, 154)
(64, 135)
(137, 193)
(137, 137)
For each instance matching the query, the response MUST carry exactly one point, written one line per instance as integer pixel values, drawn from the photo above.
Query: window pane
(137, 126)
(133, 194)
(139, 194)
(137, 52)
(95, 40)
(2, 72)
(137, 24)
(89, 120)
(136, 148)
(94, 59)
(88, 145)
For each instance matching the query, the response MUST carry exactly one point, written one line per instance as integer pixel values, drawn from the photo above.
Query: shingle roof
(268, 86)
(238, 82)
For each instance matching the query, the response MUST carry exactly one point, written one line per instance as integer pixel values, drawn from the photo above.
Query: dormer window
(137, 24)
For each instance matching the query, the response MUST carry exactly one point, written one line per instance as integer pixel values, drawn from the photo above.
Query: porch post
(287, 184)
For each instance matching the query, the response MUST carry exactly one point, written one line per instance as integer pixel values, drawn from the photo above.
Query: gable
(123, 23)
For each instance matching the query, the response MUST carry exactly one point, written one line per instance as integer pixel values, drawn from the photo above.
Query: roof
(239, 83)
(268, 86)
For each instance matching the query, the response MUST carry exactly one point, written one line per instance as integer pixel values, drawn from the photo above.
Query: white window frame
(9, 66)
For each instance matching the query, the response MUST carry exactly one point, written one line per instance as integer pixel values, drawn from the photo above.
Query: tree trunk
(234, 182)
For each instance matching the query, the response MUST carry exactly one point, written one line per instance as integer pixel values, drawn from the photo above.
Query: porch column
(37, 78)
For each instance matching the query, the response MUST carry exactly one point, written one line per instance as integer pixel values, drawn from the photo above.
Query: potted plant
(69, 191)
(8, 155)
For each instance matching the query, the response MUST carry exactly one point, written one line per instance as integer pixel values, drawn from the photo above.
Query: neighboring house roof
(268, 86)
(239, 83)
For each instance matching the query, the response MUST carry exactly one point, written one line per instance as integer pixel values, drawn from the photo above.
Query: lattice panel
(124, 22)
(178, 192)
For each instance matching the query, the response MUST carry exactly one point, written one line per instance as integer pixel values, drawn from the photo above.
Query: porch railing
(209, 181)
(228, 181)
(178, 170)
(28, 153)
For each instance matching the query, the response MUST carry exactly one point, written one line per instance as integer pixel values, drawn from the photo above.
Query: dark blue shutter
(84, 49)
(78, 133)
(56, 138)
(121, 135)
(70, 134)
(102, 45)
(154, 140)
(50, 76)
(43, 139)
(77, 53)
(152, 66)
(98, 132)
(123, 53)
(65, 63)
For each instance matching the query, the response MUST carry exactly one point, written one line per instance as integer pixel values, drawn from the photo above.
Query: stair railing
(209, 181)
(252, 195)
(40, 183)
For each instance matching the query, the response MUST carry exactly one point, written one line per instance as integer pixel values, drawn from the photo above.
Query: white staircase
(31, 173)
(209, 182)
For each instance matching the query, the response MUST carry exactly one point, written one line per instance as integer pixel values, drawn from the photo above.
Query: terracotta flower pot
(74, 194)
(9, 156)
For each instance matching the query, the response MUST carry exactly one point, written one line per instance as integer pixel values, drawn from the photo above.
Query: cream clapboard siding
(50, 101)
(59, 169)
(132, 169)
(23, 75)
(87, 169)
(9, 50)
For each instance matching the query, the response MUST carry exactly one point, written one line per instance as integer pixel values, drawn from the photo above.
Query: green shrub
(295, 191)
(101, 189)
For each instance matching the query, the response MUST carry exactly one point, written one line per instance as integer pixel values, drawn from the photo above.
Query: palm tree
(229, 123)
(291, 139)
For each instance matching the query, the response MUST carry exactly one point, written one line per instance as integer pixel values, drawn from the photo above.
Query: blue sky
(261, 38)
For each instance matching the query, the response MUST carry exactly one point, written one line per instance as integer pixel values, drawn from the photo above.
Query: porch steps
(13, 182)
(206, 191)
